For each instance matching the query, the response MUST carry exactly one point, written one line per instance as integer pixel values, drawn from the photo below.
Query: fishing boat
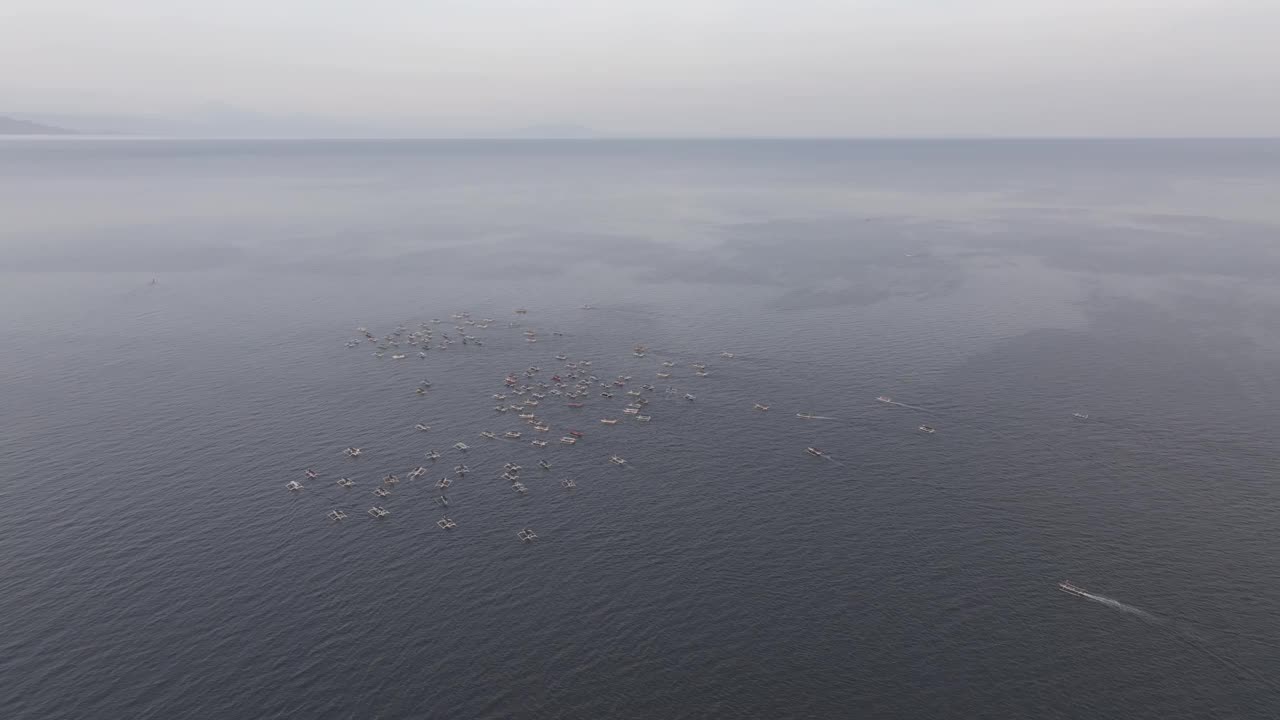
(526, 535)
(568, 440)
(421, 428)
(761, 408)
(294, 485)
(576, 433)
(644, 418)
(689, 397)
(1080, 416)
(336, 515)
(608, 422)
(539, 443)
(489, 435)
(630, 411)
(927, 429)
(815, 452)
(617, 460)
(433, 455)
(461, 446)
(378, 513)
(345, 482)
(511, 435)
(446, 523)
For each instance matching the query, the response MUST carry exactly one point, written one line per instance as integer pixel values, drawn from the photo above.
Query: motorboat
(489, 435)
(352, 452)
(664, 375)
(519, 487)
(608, 422)
(630, 411)
(927, 429)
(1080, 416)
(421, 428)
(884, 399)
(617, 460)
(576, 433)
(381, 492)
(608, 395)
(761, 408)
(337, 515)
(644, 418)
(500, 408)
(727, 355)
(566, 440)
(668, 363)
(526, 535)
(542, 428)
(446, 523)
(512, 467)
(294, 485)
(462, 446)
(689, 397)
(511, 435)
(575, 405)
(544, 464)
(1067, 587)
(562, 356)
(539, 443)
(815, 452)
(568, 483)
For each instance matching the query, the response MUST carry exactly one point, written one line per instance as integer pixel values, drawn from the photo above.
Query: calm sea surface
(153, 564)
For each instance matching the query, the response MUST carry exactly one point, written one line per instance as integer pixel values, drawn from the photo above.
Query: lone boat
(760, 407)
(885, 399)
(526, 535)
(352, 452)
(462, 446)
(1081, 416)
(544, 464)
(927, 429)
(1067, 587)
(815, 452)
(728, 355)
(446, 523)
(575, 404)
(617, 460)
(609, 422)
(421, 428)
(689, 397)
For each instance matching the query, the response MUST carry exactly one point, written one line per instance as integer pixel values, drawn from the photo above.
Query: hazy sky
(734, 67)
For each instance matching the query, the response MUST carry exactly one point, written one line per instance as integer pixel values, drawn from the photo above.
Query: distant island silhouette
(13, 126)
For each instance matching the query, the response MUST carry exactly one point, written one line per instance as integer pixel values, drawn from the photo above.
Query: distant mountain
(553, 131)
(13, 126)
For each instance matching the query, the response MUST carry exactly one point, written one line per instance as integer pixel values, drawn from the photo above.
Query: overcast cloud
(663, 67)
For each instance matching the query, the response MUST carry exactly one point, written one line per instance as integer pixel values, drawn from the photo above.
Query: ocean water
(153, 565)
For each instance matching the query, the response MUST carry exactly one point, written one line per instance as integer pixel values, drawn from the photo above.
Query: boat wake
(1170, 624)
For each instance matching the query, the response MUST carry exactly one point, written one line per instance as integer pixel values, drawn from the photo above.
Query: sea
(176, 318)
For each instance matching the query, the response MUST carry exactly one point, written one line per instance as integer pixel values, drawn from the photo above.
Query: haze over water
(155, 566)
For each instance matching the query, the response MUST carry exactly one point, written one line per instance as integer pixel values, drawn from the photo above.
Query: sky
(808, 68)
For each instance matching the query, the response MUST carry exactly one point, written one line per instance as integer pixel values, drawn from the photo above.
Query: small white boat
(617, 460)
(462, 446)
(526, 535)
(378, 512)
(1080, 416)
(519, 487)
(345, 482)
(562, 356)
(294, 485)
(398, 356)
(489, 435)
(689, 397)
(815, 452)
(668, 363)
(446, 523)
(542, 428)
(566, 440)
(664, 375)
(512, 467)
(927, 429)
(609, 422)
(644, 418)
(539, 443)
(500, 408)
(312, 474)
(511, 435)
(421, 428)
(884, 399)
(568, 483)
(352, 452)
(727, 355)
(381, 492)
(761, 408)
(444, 483)
(336, 515)
(433, 455)
(630, 411)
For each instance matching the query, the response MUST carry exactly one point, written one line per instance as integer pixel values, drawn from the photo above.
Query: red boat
(576, 433)
(575, 405)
